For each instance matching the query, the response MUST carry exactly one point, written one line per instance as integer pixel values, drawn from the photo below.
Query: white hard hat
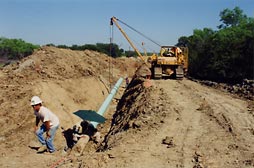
(35, 100)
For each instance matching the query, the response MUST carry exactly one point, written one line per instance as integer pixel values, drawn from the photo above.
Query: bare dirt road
(173, 123)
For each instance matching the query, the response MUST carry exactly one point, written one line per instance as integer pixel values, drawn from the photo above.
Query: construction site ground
(151, 123)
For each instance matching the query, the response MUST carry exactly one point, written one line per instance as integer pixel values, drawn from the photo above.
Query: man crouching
(50, 124)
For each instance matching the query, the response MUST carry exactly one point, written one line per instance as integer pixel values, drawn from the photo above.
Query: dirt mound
(137, 109)
(66, 81)
(244, 89)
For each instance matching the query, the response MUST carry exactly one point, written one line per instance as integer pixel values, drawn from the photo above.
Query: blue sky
(87, 21)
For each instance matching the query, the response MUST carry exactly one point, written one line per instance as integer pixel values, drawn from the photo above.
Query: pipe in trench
(108, 100)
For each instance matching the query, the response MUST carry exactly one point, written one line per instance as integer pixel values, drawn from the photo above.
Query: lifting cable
(111, 54)
(140, 33)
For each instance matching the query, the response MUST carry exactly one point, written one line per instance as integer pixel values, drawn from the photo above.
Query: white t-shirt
(44, 114)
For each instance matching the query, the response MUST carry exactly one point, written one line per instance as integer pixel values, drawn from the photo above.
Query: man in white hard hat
(50, 124)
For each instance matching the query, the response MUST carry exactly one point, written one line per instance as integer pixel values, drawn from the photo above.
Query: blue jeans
(48, 141)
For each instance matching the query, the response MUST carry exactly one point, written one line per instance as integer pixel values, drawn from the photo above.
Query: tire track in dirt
(225, 118)
(207, 126)
(187, 127)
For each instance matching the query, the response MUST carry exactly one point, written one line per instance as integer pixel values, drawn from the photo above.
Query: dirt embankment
(66, 81)
(152, 123)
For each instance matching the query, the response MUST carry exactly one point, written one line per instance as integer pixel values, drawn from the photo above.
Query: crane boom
(114, 20)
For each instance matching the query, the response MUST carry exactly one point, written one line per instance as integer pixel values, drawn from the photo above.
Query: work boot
(42, 149)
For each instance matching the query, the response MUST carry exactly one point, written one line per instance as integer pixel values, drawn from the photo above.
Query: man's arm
(37, 121)
(47, 125)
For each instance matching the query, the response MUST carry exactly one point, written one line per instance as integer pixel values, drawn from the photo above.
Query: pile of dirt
(134, 110)
(244, 89)
(65, 80)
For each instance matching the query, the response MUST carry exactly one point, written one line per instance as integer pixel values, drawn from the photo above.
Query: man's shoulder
(44, 109)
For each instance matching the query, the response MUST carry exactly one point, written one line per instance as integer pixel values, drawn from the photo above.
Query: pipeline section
(108, 100)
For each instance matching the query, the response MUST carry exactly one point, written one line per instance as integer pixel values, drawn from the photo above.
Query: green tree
(115, 51)
(63, 46)
(231, 17)
(15, 48)
(130, 54)
(201, 52)
(183, 41)
(226, 54)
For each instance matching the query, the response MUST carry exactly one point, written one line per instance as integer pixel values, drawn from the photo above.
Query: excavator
(172, 62)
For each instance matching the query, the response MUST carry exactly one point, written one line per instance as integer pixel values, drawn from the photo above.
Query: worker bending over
(50, 124)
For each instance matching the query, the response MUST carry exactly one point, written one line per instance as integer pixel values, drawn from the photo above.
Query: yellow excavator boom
(114, 20)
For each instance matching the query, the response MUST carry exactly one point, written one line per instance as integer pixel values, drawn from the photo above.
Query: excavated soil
(151, 123)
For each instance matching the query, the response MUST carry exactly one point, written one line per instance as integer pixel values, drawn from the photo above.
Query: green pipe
(108, 100)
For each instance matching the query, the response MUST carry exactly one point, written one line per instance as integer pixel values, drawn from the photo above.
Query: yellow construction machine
(172, 62)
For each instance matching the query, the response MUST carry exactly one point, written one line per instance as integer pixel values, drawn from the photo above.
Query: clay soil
(151, 123)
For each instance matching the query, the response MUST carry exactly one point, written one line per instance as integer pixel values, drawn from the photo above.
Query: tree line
(110, 49)
(14, 49)
(226, 54)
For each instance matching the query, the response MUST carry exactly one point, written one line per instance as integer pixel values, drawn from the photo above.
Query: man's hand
(47, 125)
(37, 121)
(35, 129)
(48, 134)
